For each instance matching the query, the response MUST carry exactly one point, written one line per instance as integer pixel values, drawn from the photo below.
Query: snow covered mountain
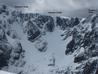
(42, 44)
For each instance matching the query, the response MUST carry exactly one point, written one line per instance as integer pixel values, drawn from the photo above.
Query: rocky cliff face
(30, 42)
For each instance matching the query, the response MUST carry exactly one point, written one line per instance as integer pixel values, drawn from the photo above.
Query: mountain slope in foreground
(42, 44)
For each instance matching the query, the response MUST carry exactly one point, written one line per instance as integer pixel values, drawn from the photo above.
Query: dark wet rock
(76, 21)
(19, 48)
(3, 9)
(93, 50)
(17, 55)
(66, 33)
(87, 39)
(90, 67)
(32, 31)
(50, 25)
(12, 34)
(61, 22)
(17, 51)
(76, 42)
(80, 58)
(5, 51)
(73, 22)
(41, 20)
(41, 46)
(2, 35)
(70, 47)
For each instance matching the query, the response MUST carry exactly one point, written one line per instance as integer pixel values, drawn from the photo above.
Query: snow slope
(3, 72)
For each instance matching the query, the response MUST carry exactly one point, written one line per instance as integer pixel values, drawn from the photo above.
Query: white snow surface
(4, 72)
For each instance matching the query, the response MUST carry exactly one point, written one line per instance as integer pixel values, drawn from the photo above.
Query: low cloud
(51, 5)
(66, 5)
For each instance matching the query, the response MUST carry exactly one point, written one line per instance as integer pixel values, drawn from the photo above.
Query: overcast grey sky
(58, 5)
